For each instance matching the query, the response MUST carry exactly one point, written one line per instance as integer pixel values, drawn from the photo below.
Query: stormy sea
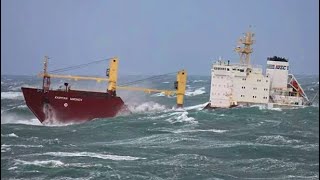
(157, 141)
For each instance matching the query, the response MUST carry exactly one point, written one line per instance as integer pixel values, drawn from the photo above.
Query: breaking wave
(200, 130)
(196, 92)
(146, 107)
(276, 139)
(196, 107)
(196, 81)
(158, 95)
(180, 117)
(10, 119)
(9, 135)
(22, 145)
(93, 155)
(262, 107)
(52, 163)
(11, 95)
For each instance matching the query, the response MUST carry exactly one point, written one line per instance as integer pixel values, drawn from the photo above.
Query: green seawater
(157, 141)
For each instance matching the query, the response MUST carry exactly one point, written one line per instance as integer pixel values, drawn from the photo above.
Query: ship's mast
(46, 78)
(246, 50)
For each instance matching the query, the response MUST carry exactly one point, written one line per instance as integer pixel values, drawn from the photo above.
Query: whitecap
(276, 139)
(196, 81)
(9, 135)
(22, 145)
(200, 130)
(52, 163)
(197, 107)
(22, 106)
(10, 119)
(93, 155)
(5, 148)
(196, 92)
(11, 95)
(158, 94)
(146, 107)
(166, 82)
(263, 107)
(13, 168)
(181, 116)
(14, 88)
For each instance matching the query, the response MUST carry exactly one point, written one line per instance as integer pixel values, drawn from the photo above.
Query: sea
(158, 141)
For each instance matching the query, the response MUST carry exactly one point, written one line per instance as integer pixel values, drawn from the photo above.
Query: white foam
(14, 88)
(262, 107)
(200, 130)
(10, 119)
(196, 92)
(13, 168)
(197, 107)
(276, 139)
(54, 122)
(11, 95)
(196, 81)
(23, 145)
(53, 163)
(22, 106)
(93, 155)
(181, 116)
(146, 107)
(158, 94)
(2, 82)
(9, 135)
(166, 82)
(5, 148)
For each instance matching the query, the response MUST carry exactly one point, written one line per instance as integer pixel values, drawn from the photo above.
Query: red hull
(72, 106)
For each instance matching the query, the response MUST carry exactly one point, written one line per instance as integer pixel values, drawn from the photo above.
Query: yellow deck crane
(112, 74)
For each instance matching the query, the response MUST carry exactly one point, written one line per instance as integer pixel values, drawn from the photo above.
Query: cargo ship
(72, 105)
(244, 84)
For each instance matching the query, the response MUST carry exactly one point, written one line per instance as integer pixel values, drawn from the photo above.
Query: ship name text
(66, 98)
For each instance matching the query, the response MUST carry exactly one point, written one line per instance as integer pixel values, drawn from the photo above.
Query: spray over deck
(68, 104)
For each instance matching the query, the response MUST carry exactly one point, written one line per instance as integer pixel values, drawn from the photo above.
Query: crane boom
(98, 79)
(112, 73)
(146, 90)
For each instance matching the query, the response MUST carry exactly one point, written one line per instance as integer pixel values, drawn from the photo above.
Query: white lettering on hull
(66, 98)
(75, 99)
(61, 97)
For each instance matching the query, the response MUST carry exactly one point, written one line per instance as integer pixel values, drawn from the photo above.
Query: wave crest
(146, 107)
(12, 95)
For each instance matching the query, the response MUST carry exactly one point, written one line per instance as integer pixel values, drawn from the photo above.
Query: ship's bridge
(225, 68)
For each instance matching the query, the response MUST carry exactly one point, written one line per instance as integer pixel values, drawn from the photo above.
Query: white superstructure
(245, 84)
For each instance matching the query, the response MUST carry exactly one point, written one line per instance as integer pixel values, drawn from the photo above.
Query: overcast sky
(155, 36)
